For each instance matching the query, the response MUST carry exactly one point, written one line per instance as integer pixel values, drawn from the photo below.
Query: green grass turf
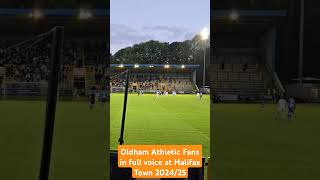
(249, 144)
(182, 119)
(80, 141)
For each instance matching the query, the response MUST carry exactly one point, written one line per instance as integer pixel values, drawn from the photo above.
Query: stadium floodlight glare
(205, 36)
(121, 66)
(36, 14)
(136, 66)
(167, 66)
(183, 66)
(84, 14)
(234, 15)
(204, 33)
(151, 66)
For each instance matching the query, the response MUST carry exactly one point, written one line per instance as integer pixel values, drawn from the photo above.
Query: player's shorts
(92, 99)
(291, 110)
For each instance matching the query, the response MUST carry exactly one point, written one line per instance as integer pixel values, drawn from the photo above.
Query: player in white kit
(174, 93)
(281, 109)
(157, 94)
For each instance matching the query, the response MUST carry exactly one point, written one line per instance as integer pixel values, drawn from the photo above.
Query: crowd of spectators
(152, 81)
(117, 81)
(29, 62)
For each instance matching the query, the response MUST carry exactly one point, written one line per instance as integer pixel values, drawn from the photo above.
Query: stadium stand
(24, 57)
(237, 74)
(28, 69)
(178, 79)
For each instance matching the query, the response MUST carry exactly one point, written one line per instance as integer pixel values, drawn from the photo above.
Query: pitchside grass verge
(250, 144)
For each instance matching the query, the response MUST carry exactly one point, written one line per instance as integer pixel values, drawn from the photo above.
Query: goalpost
(56, 58)
(115, 171)
(57, 37)
(126, 90)
(121, 140)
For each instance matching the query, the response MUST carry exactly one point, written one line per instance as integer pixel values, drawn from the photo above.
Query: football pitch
(250, 144)
(181, 119)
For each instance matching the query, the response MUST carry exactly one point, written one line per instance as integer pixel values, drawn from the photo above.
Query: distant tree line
(155, 52)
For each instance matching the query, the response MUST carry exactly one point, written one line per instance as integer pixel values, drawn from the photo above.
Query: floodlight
(84, 14)
(205, 36)
(183, 66)
(204, 33)
(121, 66)
(167, 66)
(36, 14)
(136, 66)
(234, 15)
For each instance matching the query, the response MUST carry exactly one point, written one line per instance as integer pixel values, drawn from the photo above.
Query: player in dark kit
(140, 92)
(291, 107)
(92, 97)
(200, 95)
(103, 96)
